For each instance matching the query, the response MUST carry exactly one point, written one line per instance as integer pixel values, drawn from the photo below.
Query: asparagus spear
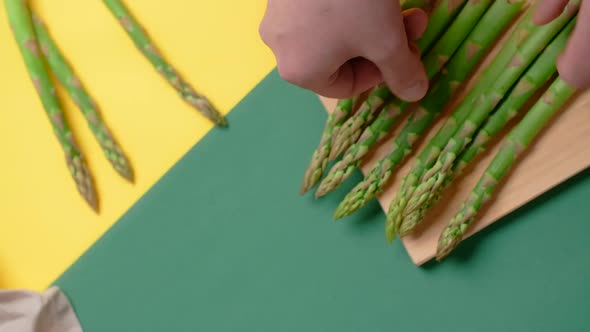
(496, 19)
(342, 112)
(516, 65)
(319, 159)
(352, 127)
(428, 190)
(407, 4)
(148, 49)
(443, 13)
(533, 80)
(441, 16)
(69, 79)
(19, 17)
(434, 61)
(515, 144)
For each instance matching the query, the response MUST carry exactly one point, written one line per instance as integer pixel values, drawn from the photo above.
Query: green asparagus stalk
(427, 191)
(434, 61)
(519, 59)
(443, 13)
(533, 80)
(20, 20)
(405, 5)
(352, 127)
(408, 4)
(517, 141)
(490, 27)
(319, 159)
(343, 111)
(441, 16)
(69, 79)
(502, 59)
(145, 45)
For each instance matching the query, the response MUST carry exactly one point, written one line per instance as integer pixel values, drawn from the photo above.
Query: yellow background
(44, 224)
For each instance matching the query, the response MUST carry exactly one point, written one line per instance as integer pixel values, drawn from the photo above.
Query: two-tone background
(213, 235)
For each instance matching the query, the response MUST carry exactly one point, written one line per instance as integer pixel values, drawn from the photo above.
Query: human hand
(573, 62)
(341, 48)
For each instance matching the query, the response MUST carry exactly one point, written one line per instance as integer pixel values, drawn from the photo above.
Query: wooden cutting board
(561, 151)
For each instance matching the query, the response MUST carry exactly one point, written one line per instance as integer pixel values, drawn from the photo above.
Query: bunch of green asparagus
(42, 58)
(458, 37)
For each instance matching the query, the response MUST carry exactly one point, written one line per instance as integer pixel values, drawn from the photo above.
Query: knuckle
(293, 73)
(264, 32)
(391, 51)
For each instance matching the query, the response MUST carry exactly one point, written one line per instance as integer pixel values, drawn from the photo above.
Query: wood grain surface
(561, 151)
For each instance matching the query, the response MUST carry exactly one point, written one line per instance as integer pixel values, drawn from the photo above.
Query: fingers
(573, 63)
(353, 78)
(402, 70)
(359, 74)
(340, 63)
(548, 10)
(415, 22)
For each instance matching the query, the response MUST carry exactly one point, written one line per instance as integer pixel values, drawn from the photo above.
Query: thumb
(401, 66)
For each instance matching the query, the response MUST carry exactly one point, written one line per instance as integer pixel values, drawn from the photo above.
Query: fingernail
(416, 91)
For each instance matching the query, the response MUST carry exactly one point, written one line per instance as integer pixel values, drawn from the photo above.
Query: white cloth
(27, 311)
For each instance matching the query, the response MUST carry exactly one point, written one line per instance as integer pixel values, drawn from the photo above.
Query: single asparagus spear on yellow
(145, 45)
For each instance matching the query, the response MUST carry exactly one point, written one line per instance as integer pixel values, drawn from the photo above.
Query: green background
(224, 242)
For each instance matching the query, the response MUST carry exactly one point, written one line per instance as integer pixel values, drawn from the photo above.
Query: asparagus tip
(93, 202)
(323, 190)
(304, 188)
(127, 174)
(340, 212)
(222, 122)
(319, 193)
(389, 233)
(83, 179)
(89, 194)
(313, 174)
(445, 248)
(406, 228)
